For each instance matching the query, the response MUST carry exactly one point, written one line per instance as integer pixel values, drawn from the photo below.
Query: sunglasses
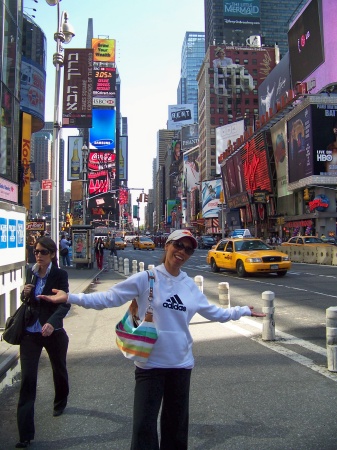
(43, 252)
(180, 246)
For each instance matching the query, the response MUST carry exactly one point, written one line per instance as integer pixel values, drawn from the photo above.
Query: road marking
(277, 347)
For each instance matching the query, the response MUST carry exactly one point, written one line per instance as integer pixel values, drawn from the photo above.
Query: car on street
(247, 256)
(143, 243)
(206, 242)
(304, 241)
(119, 243)
(330, 240)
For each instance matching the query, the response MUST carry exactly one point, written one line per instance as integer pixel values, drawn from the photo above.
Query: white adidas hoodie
(175, 301)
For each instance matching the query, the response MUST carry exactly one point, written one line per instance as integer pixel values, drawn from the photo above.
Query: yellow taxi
(305, 240)
(247, 256)
(143, 243)
(119, 243)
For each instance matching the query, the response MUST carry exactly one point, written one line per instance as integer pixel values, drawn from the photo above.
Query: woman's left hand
(47, 329)
(255, 314)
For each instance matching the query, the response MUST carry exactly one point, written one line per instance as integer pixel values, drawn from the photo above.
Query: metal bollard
(110, 262)
(268, 324)
(120, 265)
(141, 267)
(134, 266)
(115, 263)
(331, 338)
(126, 266)
(199, 281)
(224, 298)
(150, 266)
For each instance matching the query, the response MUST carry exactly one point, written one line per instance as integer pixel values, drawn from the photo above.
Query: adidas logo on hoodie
(174, 303)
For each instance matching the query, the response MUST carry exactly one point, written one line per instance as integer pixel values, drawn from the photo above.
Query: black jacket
(52, 313)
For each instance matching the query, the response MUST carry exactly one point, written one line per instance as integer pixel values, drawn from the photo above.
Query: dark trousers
(169, 388)
(31, 346)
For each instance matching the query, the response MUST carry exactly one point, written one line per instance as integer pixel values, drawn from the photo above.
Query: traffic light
(146, 198)
(306, 194)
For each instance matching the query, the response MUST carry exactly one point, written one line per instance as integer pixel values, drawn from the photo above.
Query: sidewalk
(79, 280)
(244, 396)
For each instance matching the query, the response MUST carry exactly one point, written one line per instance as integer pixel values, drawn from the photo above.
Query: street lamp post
(63, 35)
(85, 152)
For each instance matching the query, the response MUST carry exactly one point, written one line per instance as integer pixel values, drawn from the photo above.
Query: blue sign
(103, 131)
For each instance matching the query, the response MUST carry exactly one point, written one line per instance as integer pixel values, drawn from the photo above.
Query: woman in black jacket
(44, 329)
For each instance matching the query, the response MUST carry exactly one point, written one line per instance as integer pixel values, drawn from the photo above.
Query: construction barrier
(310, 254)
(324, 255)
(334, 256)
(297, 254)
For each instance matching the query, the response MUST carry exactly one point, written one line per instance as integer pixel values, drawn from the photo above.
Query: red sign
(47, 185)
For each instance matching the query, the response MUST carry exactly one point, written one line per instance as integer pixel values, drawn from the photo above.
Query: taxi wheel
(240, 268)
(214, 267)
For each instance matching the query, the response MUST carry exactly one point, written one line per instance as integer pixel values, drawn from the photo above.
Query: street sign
(46, 185)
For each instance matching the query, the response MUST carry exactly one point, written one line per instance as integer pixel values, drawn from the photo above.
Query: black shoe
(57, 412)
(23, 444)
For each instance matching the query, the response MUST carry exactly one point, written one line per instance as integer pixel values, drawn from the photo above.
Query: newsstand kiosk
(82, 238)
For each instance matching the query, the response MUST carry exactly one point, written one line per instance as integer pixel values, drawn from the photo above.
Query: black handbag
(64, 251)
(15, 326)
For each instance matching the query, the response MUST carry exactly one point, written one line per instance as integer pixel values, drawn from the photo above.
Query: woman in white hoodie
(165, 378)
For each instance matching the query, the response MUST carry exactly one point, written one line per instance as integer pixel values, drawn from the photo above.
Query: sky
(149, 35)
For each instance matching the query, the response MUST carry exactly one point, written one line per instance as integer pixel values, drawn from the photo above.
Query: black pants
(171, 388)
(31, 346)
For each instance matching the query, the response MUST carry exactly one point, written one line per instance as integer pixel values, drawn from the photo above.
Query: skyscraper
(192, 55)
(232, 22)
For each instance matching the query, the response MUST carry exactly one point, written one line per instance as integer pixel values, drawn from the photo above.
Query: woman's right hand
(58, 297)
(27, 289)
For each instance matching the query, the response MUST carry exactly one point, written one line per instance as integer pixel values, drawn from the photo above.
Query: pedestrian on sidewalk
(164, 380)
(99, 252)
(44, 329)
(112, 246)
(64, 250)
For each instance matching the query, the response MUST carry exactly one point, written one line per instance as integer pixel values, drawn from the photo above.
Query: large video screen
(306, 43)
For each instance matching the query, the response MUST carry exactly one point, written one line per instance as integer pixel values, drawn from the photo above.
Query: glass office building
(269, 19)
(192, 55)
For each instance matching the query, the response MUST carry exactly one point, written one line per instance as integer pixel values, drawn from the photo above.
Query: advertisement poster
(305, 40)
(75, 160)
(104, 85)
(32, 88)
(179, 116)
(77, 88)
(278, 136)
(80, 245)
(324, 132)
(189, 136)
(226, 136)
(300, 158)
(104, 49)
(211, 198)
(102, 135)
(191, 169)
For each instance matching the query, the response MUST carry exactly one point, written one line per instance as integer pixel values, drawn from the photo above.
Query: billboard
(211, 198)
(123, 158)
(324, 139)
(102, 135)
(189, 136)
(104, 49)
(276, 84)
(77, 88)
(247, 9)
(305, 40)
(104, 85)
(179, 116)
(226, 136)
(101, 179)
(32, 88)
(241, 19)
(300, 160)
(75, 160)
(191, 169)
(279, 140)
